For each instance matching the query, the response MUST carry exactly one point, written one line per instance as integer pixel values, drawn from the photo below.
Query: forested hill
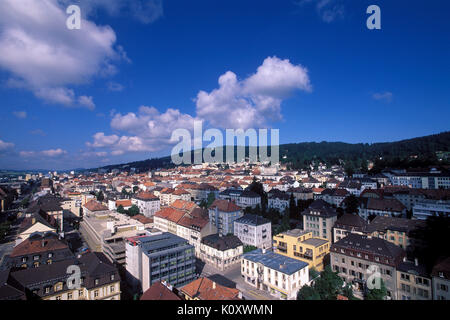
(416, 152)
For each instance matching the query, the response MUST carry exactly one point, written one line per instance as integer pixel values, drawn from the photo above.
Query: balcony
(282, 249)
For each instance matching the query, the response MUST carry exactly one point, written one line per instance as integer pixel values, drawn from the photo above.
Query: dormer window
(24, 259)
(96, 281)
(50, 255)
(36, 258)
(112, 277)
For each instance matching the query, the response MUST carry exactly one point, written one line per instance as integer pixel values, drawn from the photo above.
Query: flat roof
(275, 261)
(315, 242)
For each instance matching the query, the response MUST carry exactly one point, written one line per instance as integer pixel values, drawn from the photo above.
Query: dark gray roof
(324, 208)
(252, 219)
(374, 245)
(412, 268)
(222, 243)
(383, 223)
(93, 266)
(350, 221)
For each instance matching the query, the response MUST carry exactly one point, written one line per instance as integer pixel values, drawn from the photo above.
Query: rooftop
(275, 261)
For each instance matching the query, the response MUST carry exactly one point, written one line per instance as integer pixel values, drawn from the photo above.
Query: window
(112, 277)
(112, 288)
(96, 281)
(69, 296)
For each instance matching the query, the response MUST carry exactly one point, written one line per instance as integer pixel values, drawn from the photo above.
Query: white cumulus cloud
(254, 101)
(42, 54)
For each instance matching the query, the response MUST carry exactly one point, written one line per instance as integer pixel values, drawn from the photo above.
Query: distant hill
(416, 152)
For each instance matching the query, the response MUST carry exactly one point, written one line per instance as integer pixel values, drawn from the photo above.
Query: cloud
(255, 101)
(252, 102)
(20, 114)
(53, 152)
(100, 140)
(38, 132)
(147, 130)
(328, 10)
(86, 102)
(383, 96)
(114, 86)
(4, 146)
(27, 154)
(42, 55)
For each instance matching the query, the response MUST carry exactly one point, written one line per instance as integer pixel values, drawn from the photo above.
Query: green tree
(4, 229)
(427, 241)
(329, 285)
(377, 294)
(203, 204)
(100, 196)
(313, 273)
(120, 209)
(134, 210)
(249, 248)
(351, 204)
(211, 198)
(308, 293)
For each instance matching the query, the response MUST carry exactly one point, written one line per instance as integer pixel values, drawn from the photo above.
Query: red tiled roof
(225, 205)
(158, 291)
(94, 205)
(206, 289)
(147, 196)
(35, 245)
(123, 203)
(184, 205)
(143, 219)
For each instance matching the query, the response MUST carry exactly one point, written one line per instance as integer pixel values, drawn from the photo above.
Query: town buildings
(159, 257)
(243, 198)
(319, 218)
(301, 245)
(441, 280)
(223, 213)
(147, 203)
(274, 273)
(254, 230)
(413, 282)
(106, 231)
(99, 280)
(206, 289)
(348, 223)
(357, 257)
(220, 251)
(37, 250)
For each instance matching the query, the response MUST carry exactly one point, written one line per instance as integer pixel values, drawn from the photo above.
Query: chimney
(33, 220)
(416, 262)
(404, 259)
(264, 250)
(214, 285)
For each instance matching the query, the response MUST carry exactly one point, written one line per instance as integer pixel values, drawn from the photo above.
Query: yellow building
(301, 245)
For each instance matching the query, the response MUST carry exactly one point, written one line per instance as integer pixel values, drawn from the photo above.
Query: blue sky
(341, 81)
